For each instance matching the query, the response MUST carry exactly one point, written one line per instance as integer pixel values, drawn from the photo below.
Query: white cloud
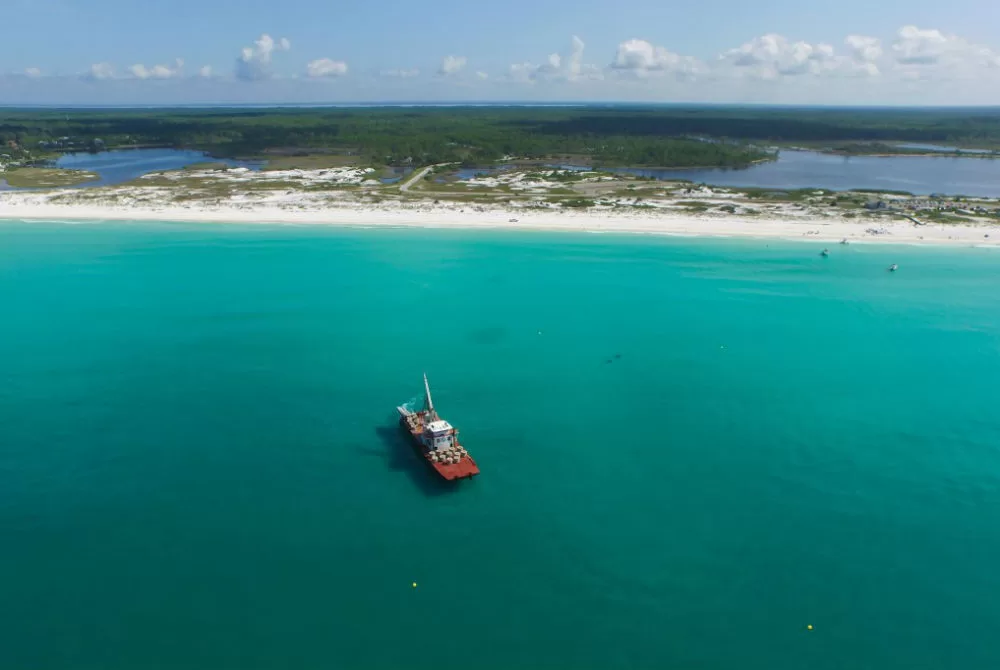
(325, 67)
(205, 71)
(556, 67)
(914, 46)
(771, 56)
(922, 47)
(254, 62)
(856, 69)
(864, 49)
(100, 71)
(529, 72)
(33, 72)
(401, 74)
(642, 58)
(452, 65)
(482, 76)
(576, 58)
(522, 72)
(140, 71)
(866, 52)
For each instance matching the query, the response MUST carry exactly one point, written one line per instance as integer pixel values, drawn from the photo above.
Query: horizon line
(475, 103)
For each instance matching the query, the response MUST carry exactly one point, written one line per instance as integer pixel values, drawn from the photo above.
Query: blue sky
(778, 51)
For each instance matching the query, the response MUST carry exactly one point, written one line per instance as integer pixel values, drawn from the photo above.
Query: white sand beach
(302, 211)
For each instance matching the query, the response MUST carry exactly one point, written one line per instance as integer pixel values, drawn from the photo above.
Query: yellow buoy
(415, 586)
(809, 627)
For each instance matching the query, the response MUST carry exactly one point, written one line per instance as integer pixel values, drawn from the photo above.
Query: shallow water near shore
(692, 450)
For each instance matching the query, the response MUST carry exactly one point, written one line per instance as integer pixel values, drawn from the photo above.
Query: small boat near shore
(436, 441)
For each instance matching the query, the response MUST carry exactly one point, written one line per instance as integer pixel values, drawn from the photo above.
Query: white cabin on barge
(438, 435)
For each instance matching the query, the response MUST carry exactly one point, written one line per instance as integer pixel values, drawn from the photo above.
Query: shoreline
(933, 154)
(821, 230)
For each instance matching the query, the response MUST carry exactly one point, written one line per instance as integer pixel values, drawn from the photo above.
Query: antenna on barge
(428, 402)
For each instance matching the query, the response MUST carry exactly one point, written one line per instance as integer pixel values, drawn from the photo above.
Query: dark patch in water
(488, 336)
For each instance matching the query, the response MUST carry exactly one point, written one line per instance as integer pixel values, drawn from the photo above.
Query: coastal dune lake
(695, 453)
(795, 169)
(124, 165)
(920, 175)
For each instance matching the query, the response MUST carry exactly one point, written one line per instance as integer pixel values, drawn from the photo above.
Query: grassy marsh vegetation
(33, 177)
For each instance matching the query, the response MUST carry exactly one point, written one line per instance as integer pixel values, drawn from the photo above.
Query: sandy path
(405, 186)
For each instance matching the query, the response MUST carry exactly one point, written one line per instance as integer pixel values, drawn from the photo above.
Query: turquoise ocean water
(199, 466)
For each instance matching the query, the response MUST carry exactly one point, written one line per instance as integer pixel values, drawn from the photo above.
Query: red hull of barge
(466, 468)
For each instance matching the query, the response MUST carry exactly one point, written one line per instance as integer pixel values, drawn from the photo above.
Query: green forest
(609, 135)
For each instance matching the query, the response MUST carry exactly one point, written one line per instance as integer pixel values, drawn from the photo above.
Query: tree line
(639, 136)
